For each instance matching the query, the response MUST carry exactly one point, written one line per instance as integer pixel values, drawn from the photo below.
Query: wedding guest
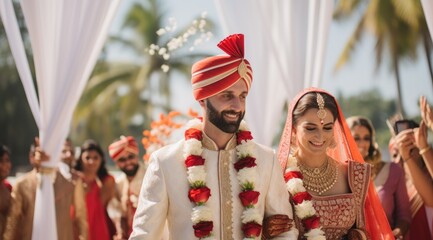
(388, 177)
(5, 186)
(124, 153)
(99, 188)
(68, 195)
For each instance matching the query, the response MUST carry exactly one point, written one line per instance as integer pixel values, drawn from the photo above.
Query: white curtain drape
(427, 6)
(285, 43)
(66, 38)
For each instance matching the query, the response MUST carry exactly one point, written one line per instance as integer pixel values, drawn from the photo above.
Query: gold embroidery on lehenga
(338, 213)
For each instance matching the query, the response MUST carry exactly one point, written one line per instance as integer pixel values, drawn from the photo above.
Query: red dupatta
(376, 221)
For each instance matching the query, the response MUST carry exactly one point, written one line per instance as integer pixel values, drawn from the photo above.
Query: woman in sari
(410, 149)
(388, 177)
(326, 176)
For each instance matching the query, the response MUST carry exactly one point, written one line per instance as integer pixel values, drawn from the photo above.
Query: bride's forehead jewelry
(321, 114)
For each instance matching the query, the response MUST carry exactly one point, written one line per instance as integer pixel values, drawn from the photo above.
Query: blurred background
(144, 69)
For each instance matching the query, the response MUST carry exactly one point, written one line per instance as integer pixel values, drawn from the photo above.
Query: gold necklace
(320, 179)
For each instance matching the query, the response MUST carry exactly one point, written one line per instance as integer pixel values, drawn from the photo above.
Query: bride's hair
(309, 101)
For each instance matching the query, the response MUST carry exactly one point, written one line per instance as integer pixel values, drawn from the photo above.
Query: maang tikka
(321, 114)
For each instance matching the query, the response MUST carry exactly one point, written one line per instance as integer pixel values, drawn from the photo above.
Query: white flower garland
(304, 209)
(246, 176)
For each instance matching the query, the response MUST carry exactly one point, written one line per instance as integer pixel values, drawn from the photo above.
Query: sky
(357, 76)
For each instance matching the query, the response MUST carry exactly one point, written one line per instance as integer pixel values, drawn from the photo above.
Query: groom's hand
(275, 225)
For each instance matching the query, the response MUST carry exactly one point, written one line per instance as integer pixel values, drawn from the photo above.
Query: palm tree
(396, 27)
(121, 97)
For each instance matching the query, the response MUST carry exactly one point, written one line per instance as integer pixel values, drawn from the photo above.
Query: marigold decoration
(161, 131)
(199, 193)
(304, 208)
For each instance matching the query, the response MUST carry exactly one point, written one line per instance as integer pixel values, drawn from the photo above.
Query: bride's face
(313, 137)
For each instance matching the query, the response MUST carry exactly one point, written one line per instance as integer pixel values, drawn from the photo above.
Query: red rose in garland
(292, 174)
(311, 222)
(193, 133)
(243, 136)
(203, 229)
(193, 160)
(249, 197)
(245, 162)
(298, 198)
(199, 195)
(252, 229)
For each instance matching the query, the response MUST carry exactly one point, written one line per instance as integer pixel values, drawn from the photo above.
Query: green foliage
(398, 27)
(370, 104)
(104, 111)
(19, 127)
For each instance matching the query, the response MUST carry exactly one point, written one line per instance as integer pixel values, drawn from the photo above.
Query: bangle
(407, 159)
(424, 150)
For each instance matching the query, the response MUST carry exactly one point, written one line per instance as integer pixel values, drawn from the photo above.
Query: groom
(216, 183)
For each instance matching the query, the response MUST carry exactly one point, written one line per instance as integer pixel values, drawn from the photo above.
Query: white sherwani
(164, 193)
(125, 188)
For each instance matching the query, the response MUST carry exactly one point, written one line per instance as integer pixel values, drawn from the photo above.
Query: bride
(328, 181)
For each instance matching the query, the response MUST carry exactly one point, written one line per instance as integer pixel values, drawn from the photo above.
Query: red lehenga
(339, 212)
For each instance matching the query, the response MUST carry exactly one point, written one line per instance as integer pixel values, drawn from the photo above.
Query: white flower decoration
(194, 123)
(193, 147)
(247, 175)
(208, 238)
(315, 234)
(295, 185)
(245, 149)
(251, 215)
(305, 209)
(201, 213)
(196, 174)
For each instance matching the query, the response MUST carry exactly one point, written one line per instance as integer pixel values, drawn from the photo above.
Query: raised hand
(426, 112)
(40, 155)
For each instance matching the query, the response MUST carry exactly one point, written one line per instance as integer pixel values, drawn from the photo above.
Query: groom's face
(226, 109)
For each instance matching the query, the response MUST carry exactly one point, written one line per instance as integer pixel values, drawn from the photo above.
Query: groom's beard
(218, 120)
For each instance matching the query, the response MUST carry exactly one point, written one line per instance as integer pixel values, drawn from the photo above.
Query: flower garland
(304, 208)
(199, 193)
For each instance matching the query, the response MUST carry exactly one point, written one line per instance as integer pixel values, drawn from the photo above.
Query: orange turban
(215, 74)
(122, 147)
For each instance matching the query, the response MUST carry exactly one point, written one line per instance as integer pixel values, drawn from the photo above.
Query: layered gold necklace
(322, 178)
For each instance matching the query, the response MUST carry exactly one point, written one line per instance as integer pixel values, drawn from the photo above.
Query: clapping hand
(420, 135)
(426, 112)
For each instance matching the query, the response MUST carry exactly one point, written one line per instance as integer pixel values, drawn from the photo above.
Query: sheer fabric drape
(285, 43)
(66, 38)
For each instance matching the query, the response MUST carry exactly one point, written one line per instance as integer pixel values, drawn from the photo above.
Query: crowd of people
(89, 202)
(328, 179)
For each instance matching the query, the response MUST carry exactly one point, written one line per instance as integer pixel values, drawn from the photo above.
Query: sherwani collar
(208, 143)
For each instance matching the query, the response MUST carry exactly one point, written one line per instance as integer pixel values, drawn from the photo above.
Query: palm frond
(346, 8)
(350, 45)
(408, 11)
